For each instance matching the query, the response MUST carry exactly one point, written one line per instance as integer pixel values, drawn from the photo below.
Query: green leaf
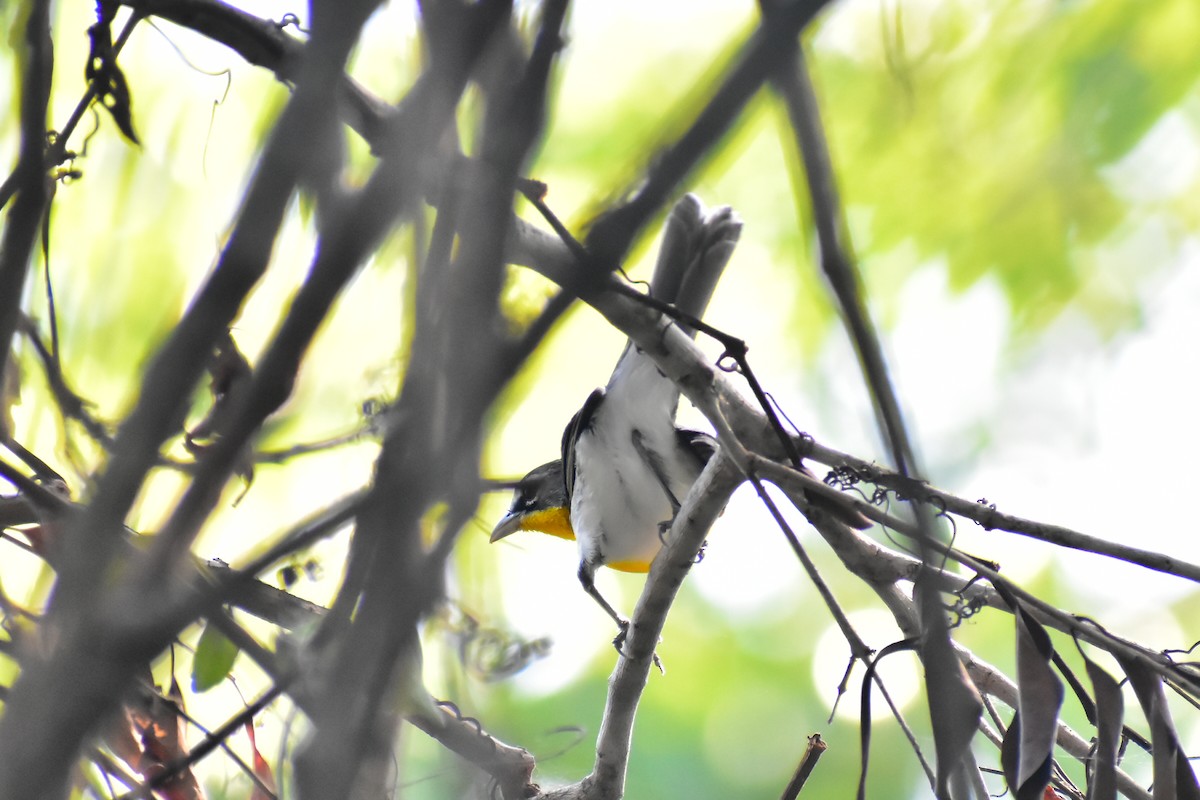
(214, 659)
(991, 157)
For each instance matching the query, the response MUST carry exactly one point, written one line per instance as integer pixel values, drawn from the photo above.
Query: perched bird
(625, 467)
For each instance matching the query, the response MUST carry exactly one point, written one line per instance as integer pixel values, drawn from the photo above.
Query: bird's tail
(697, 244)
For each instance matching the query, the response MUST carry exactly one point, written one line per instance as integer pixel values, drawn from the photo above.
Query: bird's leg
(587, 574)
(656, 467)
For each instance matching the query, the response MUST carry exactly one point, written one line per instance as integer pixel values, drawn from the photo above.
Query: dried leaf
(262, 769)
(228, 367)
(160, 726)
(955, 707)
(105, 78)
(123, 739)
(228, 371)
(1027, 752)
(1174, 778)
(864, 721)
(1110, 710)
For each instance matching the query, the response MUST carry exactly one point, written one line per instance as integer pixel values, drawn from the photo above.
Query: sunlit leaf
(214, 658)
(993, 156)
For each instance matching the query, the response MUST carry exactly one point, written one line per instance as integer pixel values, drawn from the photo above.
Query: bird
(625, 467)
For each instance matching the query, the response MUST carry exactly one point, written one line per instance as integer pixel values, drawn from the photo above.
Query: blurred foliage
(979, 135)
(988, 144)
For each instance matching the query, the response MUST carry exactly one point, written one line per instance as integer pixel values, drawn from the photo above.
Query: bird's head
(539, 504)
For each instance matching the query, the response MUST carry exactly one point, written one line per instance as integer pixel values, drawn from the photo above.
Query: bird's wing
(700, 444)
(578, 424)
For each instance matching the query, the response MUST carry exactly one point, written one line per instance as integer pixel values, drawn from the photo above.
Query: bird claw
(619, 639)
(619, 644)
(664, 528)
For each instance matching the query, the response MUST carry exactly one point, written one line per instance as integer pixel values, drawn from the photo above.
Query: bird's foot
(619, 644)
(619, 639)
(664, 528)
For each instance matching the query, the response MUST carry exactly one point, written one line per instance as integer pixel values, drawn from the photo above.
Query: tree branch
(29, 177)
(846, 465)
(36, 749)
(703, 504)
(772, 44)
(432, 451)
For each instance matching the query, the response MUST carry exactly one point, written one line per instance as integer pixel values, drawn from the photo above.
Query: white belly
(616, 513)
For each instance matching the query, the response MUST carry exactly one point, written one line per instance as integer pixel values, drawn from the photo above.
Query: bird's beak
(506, 527)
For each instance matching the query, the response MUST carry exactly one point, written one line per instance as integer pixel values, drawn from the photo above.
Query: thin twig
(808, 762)
(211, 742)
(772, 43)
(284, 454)
(793, 482)
(909, 734)
(745, 462)
(988, 517)
(701, 506)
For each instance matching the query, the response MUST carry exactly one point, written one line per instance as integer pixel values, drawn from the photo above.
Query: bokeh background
(1022, 185)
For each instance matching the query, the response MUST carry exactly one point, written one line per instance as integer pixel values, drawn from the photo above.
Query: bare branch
(991, 519)
(703, 504)
(35, 751)
(773, 42)
(432, 451)
(746, 463)
(808, 762)
(29, 178)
